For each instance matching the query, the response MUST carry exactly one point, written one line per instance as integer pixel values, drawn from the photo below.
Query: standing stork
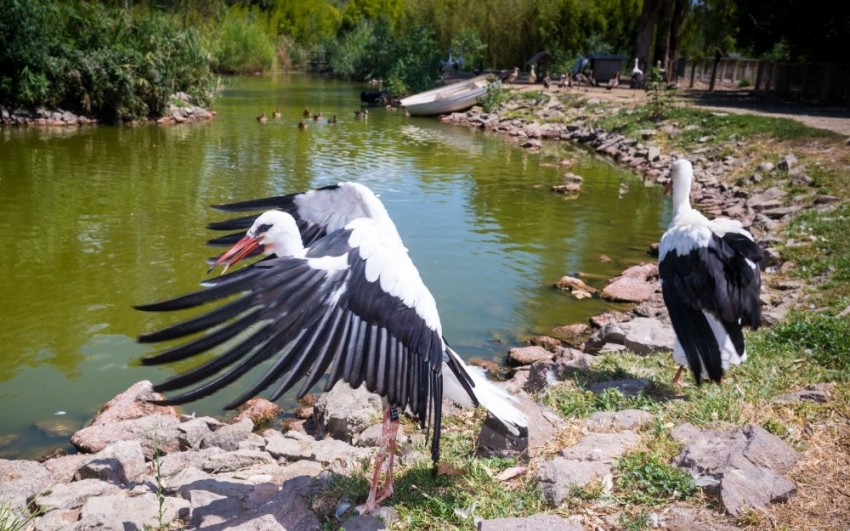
(336, 292)
(710, 281)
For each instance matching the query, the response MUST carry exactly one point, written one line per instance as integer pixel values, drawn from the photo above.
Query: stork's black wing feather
(718, 279)
(306, 315)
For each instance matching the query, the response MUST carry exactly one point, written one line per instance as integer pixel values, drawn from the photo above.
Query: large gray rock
(628, 419)
(119, 463)
(228, 437)
(641, 335)
(543, 426)
(191, 434)
(590, 459)
(286, 511)
(56, 520)
(19, 480)
(133, 404)
(153, 430)
(695, 519)
(543, 374)
(529, 355)
(636, 284)
(538, 522)
(818, 393)
(130, 513)
(172, 464)
(73, 495)
(296, 475)
(364, 523)
(209, 508)
(344, 412)
(295, 445)
(64, 467)
(744, 465)
(235, 460)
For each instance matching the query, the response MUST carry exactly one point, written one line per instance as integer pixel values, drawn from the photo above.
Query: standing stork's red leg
(388, 439)
(676, 381)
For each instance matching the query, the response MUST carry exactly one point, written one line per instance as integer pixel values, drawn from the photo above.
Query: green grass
(647, 478)
(428, 501)
(720, 127)
(12, 520)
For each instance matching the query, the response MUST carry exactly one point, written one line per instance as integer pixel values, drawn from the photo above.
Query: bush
(97, 61)
(241, 45)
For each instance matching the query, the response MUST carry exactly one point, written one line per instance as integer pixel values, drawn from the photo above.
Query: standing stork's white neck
(681, 178)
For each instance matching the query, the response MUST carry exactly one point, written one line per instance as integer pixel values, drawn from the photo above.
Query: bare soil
(835, 119)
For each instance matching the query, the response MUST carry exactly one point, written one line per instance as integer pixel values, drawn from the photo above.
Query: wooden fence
(813, 82)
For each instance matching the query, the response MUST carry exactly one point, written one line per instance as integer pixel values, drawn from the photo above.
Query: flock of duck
(359, 114)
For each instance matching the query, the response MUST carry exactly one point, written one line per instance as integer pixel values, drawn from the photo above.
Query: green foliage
(98, 61)
(304, 23)
(572, 402)
(821, 339)
(635, 522)
(646, 478)
(349, 59)
(13, 520)
(497, 95)
(823, 243)
(160, 485)
(468, 42)
(413, 58)
(659, 97)
(241, 45)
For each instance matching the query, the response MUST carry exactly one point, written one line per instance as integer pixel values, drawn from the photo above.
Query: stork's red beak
(668, 188)
(240, 250)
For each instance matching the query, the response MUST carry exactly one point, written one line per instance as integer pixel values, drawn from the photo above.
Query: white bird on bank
(337, 291)
(710, 280)
(636, 71)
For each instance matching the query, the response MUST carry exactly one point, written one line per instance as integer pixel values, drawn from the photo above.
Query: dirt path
(732, 101)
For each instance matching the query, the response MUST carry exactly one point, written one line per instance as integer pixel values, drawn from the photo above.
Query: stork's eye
(262, 229)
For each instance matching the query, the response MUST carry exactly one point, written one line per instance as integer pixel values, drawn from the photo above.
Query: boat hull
(447, 99)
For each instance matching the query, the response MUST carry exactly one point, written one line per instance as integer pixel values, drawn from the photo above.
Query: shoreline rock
(184, 112)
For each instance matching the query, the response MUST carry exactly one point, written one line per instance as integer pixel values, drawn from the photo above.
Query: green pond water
(95, 220)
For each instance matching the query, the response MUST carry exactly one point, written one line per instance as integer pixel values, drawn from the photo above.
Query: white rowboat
(449, 98)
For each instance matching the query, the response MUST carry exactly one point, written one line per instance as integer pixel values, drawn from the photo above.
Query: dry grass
(822, 477)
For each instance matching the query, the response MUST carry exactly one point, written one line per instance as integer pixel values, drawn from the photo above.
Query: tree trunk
(646, 31)
(662, 36)
(677, 24)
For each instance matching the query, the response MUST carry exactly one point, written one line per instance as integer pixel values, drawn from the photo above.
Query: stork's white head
(274, 231)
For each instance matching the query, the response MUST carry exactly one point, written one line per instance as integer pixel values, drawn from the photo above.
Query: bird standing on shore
(510, 78)
(338, 291)
(710, 281)
(532, 77)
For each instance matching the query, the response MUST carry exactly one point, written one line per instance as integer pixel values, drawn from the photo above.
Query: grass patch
(647, 478)
(428, 501)
(695, 124)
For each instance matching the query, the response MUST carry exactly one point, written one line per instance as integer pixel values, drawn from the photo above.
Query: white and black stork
(336, 292)
(710, 280)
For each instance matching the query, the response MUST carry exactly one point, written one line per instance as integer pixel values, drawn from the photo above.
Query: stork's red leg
(388, 436)
(676, 378)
